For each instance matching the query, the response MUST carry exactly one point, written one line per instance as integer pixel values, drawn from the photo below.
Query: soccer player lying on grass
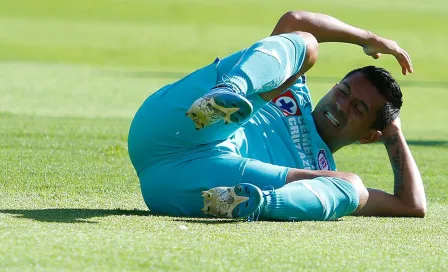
(256, 147)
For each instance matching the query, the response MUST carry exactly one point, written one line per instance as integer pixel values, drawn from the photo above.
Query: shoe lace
(254, 217)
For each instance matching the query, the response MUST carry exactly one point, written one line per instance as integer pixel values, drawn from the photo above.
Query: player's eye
(358, 109)
(344, 92)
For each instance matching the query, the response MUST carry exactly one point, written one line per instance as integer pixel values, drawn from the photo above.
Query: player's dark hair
(389, 88)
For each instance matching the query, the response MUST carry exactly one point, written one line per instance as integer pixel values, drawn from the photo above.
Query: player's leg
(161, 131)
(319, 199)
(264, 66)
(160, 128)
(174, 187)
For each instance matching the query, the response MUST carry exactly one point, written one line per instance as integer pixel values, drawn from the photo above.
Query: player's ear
(371, 137)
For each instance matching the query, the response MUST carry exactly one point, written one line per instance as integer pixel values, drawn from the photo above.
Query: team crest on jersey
(287, 103)
(322, 160)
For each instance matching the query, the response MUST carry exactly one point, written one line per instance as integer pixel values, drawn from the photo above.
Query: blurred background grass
(175, 34)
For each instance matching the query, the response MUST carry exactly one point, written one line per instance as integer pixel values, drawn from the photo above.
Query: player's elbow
(418, 211)
(361, 190)
(312, 51)
(416, 206)
(295, 16)
(421, 212)
(296, 20)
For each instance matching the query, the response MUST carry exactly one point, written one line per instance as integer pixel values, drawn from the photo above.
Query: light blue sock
(291, 203)
(315, 199)
(266, 65)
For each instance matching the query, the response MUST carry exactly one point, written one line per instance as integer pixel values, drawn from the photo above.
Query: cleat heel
(235, 202)
(220, 104)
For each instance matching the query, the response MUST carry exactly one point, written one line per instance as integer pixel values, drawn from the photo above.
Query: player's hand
(391, 130)
(379, 45)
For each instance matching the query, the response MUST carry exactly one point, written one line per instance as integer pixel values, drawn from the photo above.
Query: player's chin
(329, 132)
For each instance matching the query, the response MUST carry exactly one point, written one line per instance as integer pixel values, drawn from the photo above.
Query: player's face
(346, 113)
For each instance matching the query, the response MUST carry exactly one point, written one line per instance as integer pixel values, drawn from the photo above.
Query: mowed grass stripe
(49, 153)
(72, 76)
(109, 242)
(133, 33)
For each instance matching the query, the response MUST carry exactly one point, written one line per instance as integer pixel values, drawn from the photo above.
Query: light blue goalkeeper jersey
(283, 133)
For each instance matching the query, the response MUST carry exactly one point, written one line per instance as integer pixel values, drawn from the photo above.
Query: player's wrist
(392, 131)
(369, 39)
(392, 135)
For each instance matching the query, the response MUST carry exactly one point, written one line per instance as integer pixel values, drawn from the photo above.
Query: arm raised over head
(326, 28)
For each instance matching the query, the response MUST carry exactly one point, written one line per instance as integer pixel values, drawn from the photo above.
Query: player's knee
(357, 183)
(312, 51)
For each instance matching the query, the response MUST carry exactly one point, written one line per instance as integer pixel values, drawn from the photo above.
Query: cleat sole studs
(238, 189)
(206, 194)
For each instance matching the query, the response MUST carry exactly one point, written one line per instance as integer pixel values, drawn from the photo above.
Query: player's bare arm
(329, 29)
(409, 197)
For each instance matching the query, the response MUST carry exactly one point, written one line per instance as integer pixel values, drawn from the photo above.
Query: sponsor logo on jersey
(301, 137)
(322, 160)
(287, 102)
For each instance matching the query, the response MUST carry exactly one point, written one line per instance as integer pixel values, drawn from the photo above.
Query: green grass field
(73, 73)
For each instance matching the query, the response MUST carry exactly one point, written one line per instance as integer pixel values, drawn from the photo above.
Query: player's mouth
(332, 119)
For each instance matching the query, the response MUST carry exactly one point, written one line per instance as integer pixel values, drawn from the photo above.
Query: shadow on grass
(84, 215)
(207, 221)
(439, 143)
(430, 143)
(71, 215)
(322, 79)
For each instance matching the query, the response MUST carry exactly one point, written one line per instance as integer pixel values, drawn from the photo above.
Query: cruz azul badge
(322, 161)
(287, 103)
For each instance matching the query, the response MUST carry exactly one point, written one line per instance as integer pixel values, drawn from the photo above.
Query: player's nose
(342, 105)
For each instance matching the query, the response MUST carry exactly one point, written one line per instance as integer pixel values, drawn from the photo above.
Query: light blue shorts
(174, 187)
(175, 163)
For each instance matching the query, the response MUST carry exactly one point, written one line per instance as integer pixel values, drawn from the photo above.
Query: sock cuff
(237, 83)
(275, 205)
